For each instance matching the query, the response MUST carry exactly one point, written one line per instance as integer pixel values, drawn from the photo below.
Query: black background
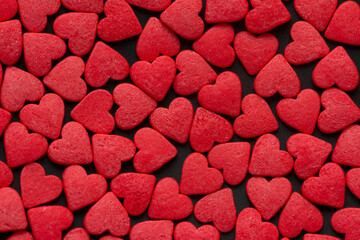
(173, 169)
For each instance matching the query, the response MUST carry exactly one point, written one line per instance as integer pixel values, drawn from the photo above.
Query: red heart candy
(73, 148)
(218, 207)
(154, 78)
(104, 63)
(310, 153)
(268, 160)
(318, 13)
(33, 13)
(257, 119)
(255, 52)
(48, 222)
(233, 159)
(340, 111)
(346, 221)
(214, 45)
(135, 105)
(5, 118)
(109, 237)
(182, 17)
(309, 236)
(40, 49)
(19, 86)
(197, 178)
(8, 9)
(148, 230)
(22, 147)
(77, 234)
(299, 214)
(136, 189)
(109, 151)
(174, 122)
(156, 38)
(208, 128)
(81, 189)
(336, 68)
(225, 11)
(36, 187)
(250, 226)
(277, 76)
(120, 22)
(268, 197)
(224, 97)
(155, 6)
(107, 214)
(352, 181)
(266, 15)
(96, 6)
(167, 203)
(79, 28)
(10, 41)
(344, 26)
(65, 79)
(186, 230)
(22, 235)
(93, 112)
(195, 73)
(154, 150)
(6, 175)
(300, 113)
(12, 213)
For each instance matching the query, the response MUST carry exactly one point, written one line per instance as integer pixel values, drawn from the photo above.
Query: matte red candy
(79, 28)
(218, 207)
(10, 41)
(38, 188)
(6, 175)
(5, 118)
(8, 9)
(214, 45)
(353, 181)
(39, 51)
(120, 22)
(93, 112)
(277, 76)
(310, 236)
(109, 237)
(182, 17)
(22, 235)
(155, 6)
(346, 221)
(96, 6)
(150, 230)
(154, 78)
(218, 11)
(254, 52)
(168, 203)
(136, 189)
(186, 230)
(347, 148)
(77, 234)
(156, 38)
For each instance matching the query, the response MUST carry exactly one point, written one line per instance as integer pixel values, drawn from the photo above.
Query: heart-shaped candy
(96, 6)
(77, 234)
(346, 221)
(186, 230)
(225, 11)
(10, 41)
(155, 6)
(147, 230)
(6, 175)
(353, 181)
(8, 9)
(5, 118)
(310, 236)
(21, 235)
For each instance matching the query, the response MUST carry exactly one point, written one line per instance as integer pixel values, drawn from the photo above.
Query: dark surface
(173, 168)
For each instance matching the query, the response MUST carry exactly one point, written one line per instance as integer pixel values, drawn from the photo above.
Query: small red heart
(77, 234)
(154, 78)
(310, 153)
(233, 159)
(5, 118)
(160, 229)
(255, 52)
(22, 235)
(250, 226)
(155, 6)
(299, 214)
(340, 111)
(224, 97)
(344, 26)
(36, 187)
(82, 189)
(10, 41)
(257, 119)
(214, 45)
(195, 73)
(277, 76)
(109, 151)
(6, 175)
(120, 22)
(352, 181)
(268, 197)
(134, 105)
(174, 122)
(39, 51)
(93, 112)
(108, 214)
(95, 6)
(136, 189)
(300, 113)
(73, 148)
(225, 11)
(197, 178)
(156, 38)
(310, 236)
(79, 28)
(104, 63)
(154, 150)
(268, 160)
(8, 9)
(336, 68)
(186, 230)
(109, 237)
(48, 222)
(65, 79)
(22, 147)
(346, 221)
